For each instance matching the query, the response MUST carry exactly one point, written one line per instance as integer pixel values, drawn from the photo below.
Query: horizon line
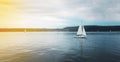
(55, 28)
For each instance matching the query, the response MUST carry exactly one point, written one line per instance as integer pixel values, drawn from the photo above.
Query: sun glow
(10, 12)
(9, 9)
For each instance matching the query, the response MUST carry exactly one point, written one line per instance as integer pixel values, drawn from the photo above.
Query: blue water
(59, 47)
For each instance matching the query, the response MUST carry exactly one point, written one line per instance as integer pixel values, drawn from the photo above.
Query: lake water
(59, 47)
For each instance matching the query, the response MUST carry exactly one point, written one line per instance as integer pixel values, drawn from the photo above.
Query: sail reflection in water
(78, 53)
(82, 45)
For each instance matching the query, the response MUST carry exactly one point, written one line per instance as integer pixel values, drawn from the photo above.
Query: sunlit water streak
(59, 47)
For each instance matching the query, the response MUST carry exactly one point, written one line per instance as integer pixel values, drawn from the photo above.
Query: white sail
(81, 31)
(84, 33)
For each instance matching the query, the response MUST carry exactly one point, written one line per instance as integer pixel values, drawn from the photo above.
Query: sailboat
(81, 32)
(25, 30)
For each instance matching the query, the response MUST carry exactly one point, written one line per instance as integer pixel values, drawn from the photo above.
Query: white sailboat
(81, 32)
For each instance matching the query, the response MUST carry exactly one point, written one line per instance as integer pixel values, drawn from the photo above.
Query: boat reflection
(78, 52)
(82, 45)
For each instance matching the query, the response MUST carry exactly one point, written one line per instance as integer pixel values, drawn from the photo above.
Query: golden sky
(8, 8)
(9, 12)
(17, 13)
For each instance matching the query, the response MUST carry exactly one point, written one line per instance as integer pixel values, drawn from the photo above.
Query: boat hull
(80, 36)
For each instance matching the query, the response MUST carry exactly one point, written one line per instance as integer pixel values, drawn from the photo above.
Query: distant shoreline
(66, 29)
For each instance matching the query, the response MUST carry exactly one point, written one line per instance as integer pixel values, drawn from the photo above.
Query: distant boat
(81, 32)
(25, 30)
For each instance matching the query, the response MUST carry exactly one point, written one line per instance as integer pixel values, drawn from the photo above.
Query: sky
(58, 13)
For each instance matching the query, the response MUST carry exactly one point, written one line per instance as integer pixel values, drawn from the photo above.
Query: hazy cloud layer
(61, 13)
(86, 9)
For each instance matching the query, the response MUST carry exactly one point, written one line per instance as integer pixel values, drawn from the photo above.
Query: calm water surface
(59, 47)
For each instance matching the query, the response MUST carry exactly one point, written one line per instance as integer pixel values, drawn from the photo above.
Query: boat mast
(82, 25)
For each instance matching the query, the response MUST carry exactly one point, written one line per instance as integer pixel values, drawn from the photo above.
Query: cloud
(86, 9)
(60, 13)
(38, 21)
(43, 7)
(96, 9)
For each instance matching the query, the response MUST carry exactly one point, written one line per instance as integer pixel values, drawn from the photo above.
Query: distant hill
(94, 28)
(90, 28)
